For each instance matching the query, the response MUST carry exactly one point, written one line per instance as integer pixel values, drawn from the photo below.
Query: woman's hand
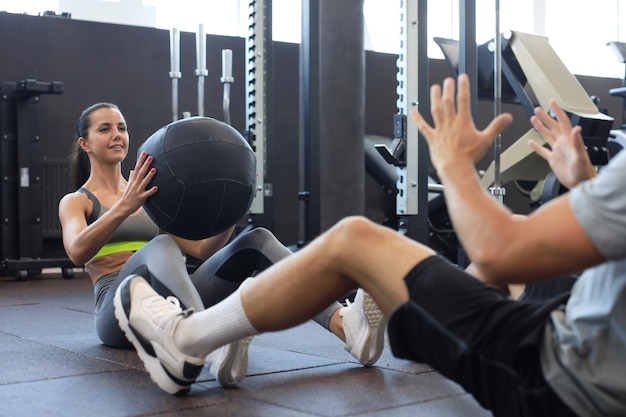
(136, 192)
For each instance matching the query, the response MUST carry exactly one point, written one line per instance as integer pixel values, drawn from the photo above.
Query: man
(562, 358)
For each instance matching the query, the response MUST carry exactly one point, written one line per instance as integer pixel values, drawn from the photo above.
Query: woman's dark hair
(80, 167)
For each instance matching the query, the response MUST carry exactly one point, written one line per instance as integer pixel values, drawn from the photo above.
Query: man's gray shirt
(584, 350)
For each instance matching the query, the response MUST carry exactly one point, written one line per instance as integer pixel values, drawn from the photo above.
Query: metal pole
(201, 70)
(497, 190)
(227, 79)
(175, 73)
(468, 59)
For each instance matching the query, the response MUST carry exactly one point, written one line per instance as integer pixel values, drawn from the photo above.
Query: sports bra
(134, 232)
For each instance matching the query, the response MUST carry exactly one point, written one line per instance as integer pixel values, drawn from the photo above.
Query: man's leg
(471, 333)
(354, 253)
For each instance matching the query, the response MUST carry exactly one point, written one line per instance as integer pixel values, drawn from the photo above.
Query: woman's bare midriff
(106, 265)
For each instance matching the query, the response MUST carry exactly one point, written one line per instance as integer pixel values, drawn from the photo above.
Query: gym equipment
(206, 175)
(227, 79)
(201, 70)
(258, 53)
(549, 78)
(21, 229)
(408, 154)
(175, 73)
(259, 92)
(497, 190)
(528, 61)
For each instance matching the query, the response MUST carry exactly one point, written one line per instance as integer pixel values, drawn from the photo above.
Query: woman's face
(107, 137)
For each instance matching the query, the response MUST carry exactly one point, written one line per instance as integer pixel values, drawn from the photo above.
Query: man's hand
(454, 138)
(567, 157)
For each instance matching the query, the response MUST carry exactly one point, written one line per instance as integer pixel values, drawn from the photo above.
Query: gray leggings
(162, 263)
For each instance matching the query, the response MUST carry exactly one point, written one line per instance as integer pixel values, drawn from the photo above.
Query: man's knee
(348, 233)
(350, 227)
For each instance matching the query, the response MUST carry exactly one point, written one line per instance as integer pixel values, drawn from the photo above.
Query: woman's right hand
(137, 191)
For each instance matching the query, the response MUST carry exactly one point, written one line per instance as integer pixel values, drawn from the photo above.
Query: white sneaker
(364, 326)
(229, 363)
(149, 321)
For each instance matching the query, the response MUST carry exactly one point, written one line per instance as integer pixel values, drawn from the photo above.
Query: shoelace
(345, 309)
(164, 310)
(173, 300)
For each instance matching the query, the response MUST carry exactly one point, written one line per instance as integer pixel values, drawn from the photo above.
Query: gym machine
(420, 208)
(21, 189)
(527, 62)
(534, 74)
(548, 78)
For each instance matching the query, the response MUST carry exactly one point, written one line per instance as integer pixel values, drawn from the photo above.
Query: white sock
(204, 331)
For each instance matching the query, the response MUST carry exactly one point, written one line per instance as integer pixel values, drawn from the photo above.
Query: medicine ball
(205, 174)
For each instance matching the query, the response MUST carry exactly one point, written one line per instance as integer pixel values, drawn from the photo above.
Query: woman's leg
(162, 264)
(247, 255)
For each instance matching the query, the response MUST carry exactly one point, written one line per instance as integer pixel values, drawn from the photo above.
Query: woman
(106, 229)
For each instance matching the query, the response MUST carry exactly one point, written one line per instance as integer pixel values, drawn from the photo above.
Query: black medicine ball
(206, 175)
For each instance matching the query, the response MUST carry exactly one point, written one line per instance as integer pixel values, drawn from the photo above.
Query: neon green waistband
(111, 248)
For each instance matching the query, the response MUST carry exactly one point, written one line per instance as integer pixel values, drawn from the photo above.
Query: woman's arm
(82, 241)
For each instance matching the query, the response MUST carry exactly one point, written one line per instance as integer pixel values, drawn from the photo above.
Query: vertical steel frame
(413, 94)
(258, 51)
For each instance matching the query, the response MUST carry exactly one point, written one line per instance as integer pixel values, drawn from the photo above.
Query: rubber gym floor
(52, 364)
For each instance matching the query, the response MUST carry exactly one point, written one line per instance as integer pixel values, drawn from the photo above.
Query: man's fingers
(448, 99)
(497, 125)
(561, 117)
(541, 128)
(435, 104)
(463, 95)
(540, 150)
(422, 124)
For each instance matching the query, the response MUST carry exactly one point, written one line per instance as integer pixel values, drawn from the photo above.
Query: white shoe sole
(229, 364)
(377, 323)
(158, 374)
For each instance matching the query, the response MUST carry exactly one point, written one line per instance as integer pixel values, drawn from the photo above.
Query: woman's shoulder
(75, 197)
(78, 200)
